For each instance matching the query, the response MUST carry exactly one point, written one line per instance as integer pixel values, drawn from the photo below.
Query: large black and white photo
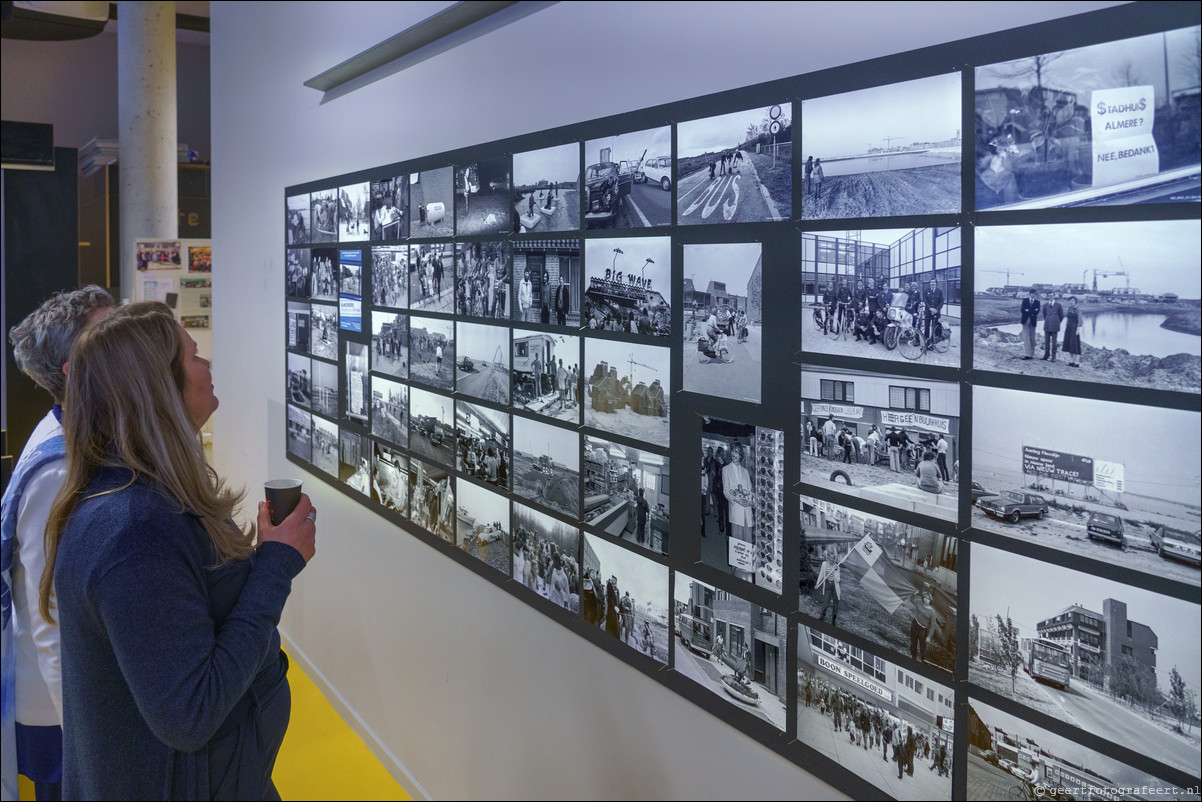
(324, 274)
(296, 272)
(432, 351)
(482, 362)
(354, 461)
(546, 187)
(625, 284)
(432, 499)
(1009, 758)
(546, 556)
(615, 192)
(626, 493)
(482, 276)
(1111, 659)
(323, 335)
(482, 443)
(482, 197)
(546, 465)
(324, 388)
(325, 445)
(627, 596)
(432, 277)
(390, 478)
(889, 439)
(732, 648)
(887, 151)
(733, 168)
(323, 218)
(300, 432)
(390, 344)
(886, 724)
(356, 391)
(390, 276)
(296, 220)
(298, 326)
(883, 294)
(887, 581)
(482, 525)
(1115, 303)
(431, 203)
(390, 208)
(354, 212)
(390, 410)
(432, 426)
(723, 319)
(546, 374)
(1108, 124)
(629, 389)
(1113, 482)
(547, 282)
(300, 380)
(742, 497)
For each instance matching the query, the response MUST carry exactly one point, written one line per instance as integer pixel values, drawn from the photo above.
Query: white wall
(474, 693)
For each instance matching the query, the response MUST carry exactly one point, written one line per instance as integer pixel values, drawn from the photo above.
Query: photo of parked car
(1013, 505)
(1176, 544)
(1104, 526)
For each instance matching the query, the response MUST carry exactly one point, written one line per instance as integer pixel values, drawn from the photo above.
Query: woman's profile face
(199, 398)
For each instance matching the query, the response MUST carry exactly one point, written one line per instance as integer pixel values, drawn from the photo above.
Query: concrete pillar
(147, 127)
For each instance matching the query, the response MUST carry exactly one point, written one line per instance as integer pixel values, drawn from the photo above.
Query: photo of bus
(1046, 661)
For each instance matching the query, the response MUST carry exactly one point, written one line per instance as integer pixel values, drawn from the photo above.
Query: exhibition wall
(469, 690)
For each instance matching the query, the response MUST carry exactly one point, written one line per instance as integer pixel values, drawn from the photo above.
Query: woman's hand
(298, 530)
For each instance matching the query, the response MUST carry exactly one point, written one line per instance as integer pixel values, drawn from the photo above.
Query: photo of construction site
(627, 389)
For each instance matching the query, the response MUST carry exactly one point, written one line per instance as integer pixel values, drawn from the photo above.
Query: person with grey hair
(41, 346)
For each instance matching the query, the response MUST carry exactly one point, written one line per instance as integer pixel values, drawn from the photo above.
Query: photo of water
(1136, 333)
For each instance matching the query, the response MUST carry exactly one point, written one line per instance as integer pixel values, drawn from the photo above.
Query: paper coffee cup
(282, 497)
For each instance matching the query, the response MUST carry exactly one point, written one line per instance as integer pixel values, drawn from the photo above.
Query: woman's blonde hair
(124, 408)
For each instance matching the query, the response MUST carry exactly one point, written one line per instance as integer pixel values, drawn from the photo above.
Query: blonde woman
(174, 683)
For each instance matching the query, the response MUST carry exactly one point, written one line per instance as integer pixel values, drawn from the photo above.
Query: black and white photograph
(888, 582)
(323, 331)
(431, 203)
(323, 217)
(888, 151)
(893, 440)
(432, 352)
(356, 390)
(1113, 482)
(354, 461)
(482, 525)
(324, 387)
(324, 274)
(390, 411)
(883, 294)
(546, 186)
(616, 193)
(300, 380)
(545, 373)
(325, 445)
(547, 282)
(432, 426)
(626, 493)
(482, 280)
(546, 556)
(300, 433)
(1011, 758)
(390, 276)
(354, 212)
(628, 389)
(1073, 128)
(482, 198)
(546, 465)
(390, 344)
(723, 319)
(628, 285)
(742, 500)
(390, 478)
(483, 443)
(296, 220)
(891, 727)
(1114, 660)
(296, 273)
(350, 290)
(298, 326)
(390, 208)
(733, 648)
(432, 277)
(733, 168)
(1114, 303)
(432, 499)
(626, 596)
(482, 362)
